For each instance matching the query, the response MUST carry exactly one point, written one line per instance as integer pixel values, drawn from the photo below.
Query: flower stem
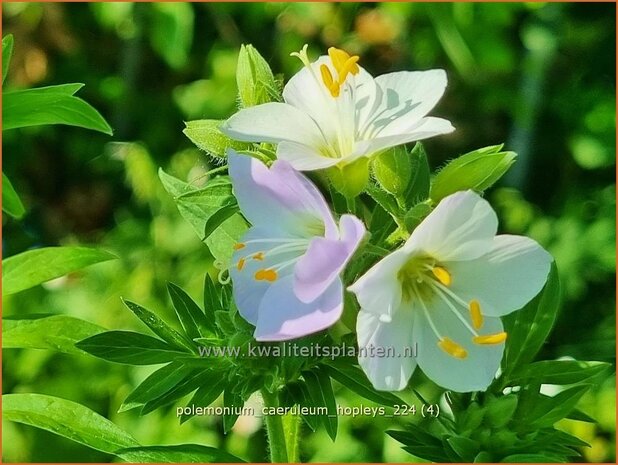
(274, 427)
(291, 428)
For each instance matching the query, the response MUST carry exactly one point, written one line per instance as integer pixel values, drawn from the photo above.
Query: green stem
(274, 427)
(291, 428)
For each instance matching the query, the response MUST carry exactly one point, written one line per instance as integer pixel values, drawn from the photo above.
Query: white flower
(443, 293)
(335, 112)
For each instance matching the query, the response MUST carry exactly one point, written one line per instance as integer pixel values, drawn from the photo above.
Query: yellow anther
(452, 348)
(443, 276)
(239, 246)
(266, 275)
(241, 264)
(259, 256)
(349, 66)
(338, 57)
(475, 314)
(490, 339)
(327, 77)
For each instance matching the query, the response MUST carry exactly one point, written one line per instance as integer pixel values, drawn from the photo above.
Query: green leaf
(159, 327)
(199, 205)
(33, 267)
(11, 203)
(171, 31)
(234, 402)
(212, 303)
(206, 395)
(557, 372)
(321, 392)
(185, 453)
(50, 105)
(529, 327)
(189, 313)
(191, 381)
(254, 78)
(543, 411)
(157, 384)
(56, 332)
(207, 136)
(416, 214)
(418, 188)
(393, 170)
(578, 415)
(67, 419)
(531, 458)
(500, 410)
(129, 348)
(464, 447)
(477, 170)
(354, 379)
(7, 51)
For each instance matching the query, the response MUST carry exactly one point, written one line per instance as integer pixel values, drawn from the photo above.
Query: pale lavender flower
(286, 268)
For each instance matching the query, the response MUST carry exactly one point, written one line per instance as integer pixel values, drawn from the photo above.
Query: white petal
(407, 96)
(282, 316)
(303, 157)
(476, 371)
(461, 227)
(391, 372)
(378, 291)
(273, 122)
(423, 129)
(506, 278)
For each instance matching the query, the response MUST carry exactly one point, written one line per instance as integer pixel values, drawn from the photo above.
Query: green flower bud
(254, 78)
(350, 179)
(206, 135)
(393, 170)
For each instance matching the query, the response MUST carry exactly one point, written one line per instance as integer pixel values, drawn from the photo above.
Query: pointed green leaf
(418, 188)
(321, 392)
(33, 267)
(544, 411)
(234, 402)
(157, 384)
(393, 170)
(185, 453)
(55, 332)
(129, 348)
(50, 105)
(558, 372)
(354, 379)
(67, 419)
(7, 51)
(531, 458)
(206, 394)
(189, 313)
(159, 327)
(11, 203)
(192, 380)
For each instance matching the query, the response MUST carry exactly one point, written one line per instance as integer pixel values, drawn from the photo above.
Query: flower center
(423, 279)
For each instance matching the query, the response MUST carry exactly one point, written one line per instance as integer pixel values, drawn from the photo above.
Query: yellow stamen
(349, 66)
(452, 348)
(475, 314)
(490, 339)
(239, 246)
(338, 57)
(259, 256)
(327, 77)
(241, 264)
(442, 274)
(266, 275)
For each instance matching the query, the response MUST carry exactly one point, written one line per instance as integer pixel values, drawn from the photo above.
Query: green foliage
(207, 209)
(254, 78)
(393, 170)
(351, 179)
(321, 392)
(33, 267)
(172, 31)
(186, 453)
(205, 134)
(477, 170)
(66, 418)
(53, 332)
(50, 105)
(11, 203)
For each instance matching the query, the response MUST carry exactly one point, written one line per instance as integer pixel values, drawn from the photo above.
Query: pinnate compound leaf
(321, 392)
(11, 203)
(50, 105)
(67, 419)
(27, 269)
(55, 332)
(129, 348)
(185, 453)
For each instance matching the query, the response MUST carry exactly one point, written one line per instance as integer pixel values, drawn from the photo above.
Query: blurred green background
(539, 77)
